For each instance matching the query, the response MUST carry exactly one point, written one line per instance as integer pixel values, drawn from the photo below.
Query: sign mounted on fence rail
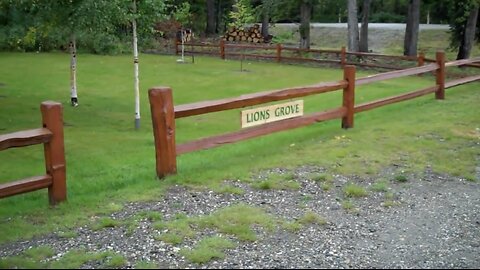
(267, 114)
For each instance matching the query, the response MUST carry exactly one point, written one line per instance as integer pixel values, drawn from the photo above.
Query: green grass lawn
(109, 163)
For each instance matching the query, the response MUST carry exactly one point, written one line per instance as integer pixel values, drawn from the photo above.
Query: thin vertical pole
(421, 59)
(222, 49)
(54, 150)
(440, 74)
(163, 121)
(135, 65)
(349, 96)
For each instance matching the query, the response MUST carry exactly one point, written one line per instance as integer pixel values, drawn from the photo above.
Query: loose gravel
(431, 221)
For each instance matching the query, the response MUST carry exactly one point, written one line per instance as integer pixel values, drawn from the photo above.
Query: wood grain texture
(396, 74)
(461, 81)
(254, 99)
(25, 138)
(25, 185)
(260, 131)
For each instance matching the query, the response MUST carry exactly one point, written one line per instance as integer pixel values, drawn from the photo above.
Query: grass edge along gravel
(396, 134)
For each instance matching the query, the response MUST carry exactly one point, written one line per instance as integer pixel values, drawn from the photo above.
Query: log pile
(251, 34)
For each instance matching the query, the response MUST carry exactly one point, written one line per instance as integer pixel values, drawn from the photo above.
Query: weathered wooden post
(349, 96)
(440, 74)
(222, 49)
(343, 57)
(163, 121)
(177, 51)
(421, 59)
(279, 52)
(52, 116)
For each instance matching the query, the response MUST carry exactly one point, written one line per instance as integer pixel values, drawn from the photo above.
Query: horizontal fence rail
(164, 112)
(51, 136)
(279, 53)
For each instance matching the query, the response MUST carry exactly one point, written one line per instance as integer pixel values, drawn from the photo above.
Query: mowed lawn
(109, 163)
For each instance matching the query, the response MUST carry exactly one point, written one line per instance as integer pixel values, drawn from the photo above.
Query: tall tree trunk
(411, 31)
(352, 26)
(363, 46)
(73, 71)
(468, 35)
(265, 18)
(135, 68)
(210, 18)
(305, 15)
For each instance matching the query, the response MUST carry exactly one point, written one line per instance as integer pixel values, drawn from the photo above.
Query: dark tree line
(100, 26)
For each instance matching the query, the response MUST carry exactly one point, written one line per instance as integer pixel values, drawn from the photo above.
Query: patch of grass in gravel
(207, 249)
(309, 217)
(175, 231)
(238, 220)
(380, 186)
(30, 259)
(146, 265)
(67, 234)
(278, 181)
(349, 206)
(105, 222)
(321, 178)
(151, 216)
(401, 178)
(354, 190)
(227, 189)
(39, 258)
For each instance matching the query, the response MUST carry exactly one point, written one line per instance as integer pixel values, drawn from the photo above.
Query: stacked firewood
(251, 34)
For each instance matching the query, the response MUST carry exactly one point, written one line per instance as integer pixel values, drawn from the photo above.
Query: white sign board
(263, 115)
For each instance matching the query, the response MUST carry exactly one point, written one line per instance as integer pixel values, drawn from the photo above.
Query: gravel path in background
(435, 223)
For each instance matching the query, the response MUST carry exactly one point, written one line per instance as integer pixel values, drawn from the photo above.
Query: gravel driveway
(434, 222)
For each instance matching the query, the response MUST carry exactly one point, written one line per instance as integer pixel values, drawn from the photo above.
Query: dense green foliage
(103, 26)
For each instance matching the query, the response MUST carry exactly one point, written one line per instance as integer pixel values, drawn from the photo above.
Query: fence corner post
(54, 150)
(222, 49)
(279, 52)
(349, 96)
(163, 121)
(343, 57)
(440, 75)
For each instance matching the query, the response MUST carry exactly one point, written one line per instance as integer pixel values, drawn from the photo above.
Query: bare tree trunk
(73, 71)
(265, 19)
(363, 46)
(135, 68)
(305, 15)
(352, 26)
(468, 35)
(210, 18)
(411, 31)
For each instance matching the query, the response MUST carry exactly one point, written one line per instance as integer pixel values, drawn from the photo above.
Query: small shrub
(401, 178)
(380, 186)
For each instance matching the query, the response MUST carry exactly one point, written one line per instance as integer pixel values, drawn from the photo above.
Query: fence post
(440, 74)
(163, 121)
(54, 151)
(421, 59)
(349, 96)
(279, 52)
(176, 47)
(343, 57)
(222, 49)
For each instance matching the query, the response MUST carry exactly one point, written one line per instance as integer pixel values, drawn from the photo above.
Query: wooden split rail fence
(281, 53)
(51, 136)
(164, 112)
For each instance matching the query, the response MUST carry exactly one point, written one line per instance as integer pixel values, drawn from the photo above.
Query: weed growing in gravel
(30, 259)
(228, 189)
(354, 190)
(326, 186)
(292, 226)
(176, 230)
(321, 177)
(171, 238)
(67, 234)
(349, 206)
(116, 261)
(207, 249)
(105, 222)
(151, 216)
(401, 178)
(311, 217)
(389, 200)
(146, 265)
(237, 220)
(380, 186)
(277, 181)
(74, 259)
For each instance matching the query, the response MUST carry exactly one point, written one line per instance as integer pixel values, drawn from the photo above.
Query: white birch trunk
(73, 72)
(135, 63)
